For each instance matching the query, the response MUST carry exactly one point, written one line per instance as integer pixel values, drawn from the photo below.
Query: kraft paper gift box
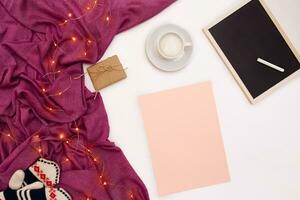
(106, 72)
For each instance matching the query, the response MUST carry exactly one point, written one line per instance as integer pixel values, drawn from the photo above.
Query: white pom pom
(16, 180)
(2, 196)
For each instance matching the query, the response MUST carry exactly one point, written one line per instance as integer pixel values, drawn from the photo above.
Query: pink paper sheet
(184, 137)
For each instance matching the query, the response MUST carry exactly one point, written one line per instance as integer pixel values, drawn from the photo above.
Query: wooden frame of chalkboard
(252, 99)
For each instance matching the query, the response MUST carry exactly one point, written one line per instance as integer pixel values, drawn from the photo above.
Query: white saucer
(162, 63)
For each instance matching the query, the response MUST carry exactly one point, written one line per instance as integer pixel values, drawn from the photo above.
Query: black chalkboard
(250, 33)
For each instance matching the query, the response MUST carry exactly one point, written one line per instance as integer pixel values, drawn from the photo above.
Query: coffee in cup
(171, 45)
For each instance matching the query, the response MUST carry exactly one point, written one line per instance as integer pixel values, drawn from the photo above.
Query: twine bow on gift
(106, 68)
(101, 69)
(106, 72)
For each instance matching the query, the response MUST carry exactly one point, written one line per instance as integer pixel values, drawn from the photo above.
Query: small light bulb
(74, 39)
(107, 18)
(95, 160)
(104, 183)
(67, 160)
(44, 90)
(51, 109)
(39, 150)
(88, 8)
(66, 21)
(8, 135)
(61, 136)
(67, 142)
(60, 93)
(77, 129)
(70, 15)
(85, 53)
(89, 41)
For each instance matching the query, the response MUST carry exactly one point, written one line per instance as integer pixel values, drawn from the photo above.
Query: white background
(262, 141)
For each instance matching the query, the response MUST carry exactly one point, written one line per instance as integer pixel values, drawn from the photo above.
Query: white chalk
(270, 65)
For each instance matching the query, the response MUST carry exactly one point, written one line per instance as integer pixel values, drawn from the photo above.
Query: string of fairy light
(52, 63)
(62, 136)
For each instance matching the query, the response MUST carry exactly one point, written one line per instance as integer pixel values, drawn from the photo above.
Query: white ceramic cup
(171, 45)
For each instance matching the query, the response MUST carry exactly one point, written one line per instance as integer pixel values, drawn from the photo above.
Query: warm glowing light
(8, 135)
(131, 196)
(74, 39)
(61, 136)
(103, 182)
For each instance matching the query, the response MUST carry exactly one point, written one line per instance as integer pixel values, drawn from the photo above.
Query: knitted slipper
(43, 170)
(36, 194)
(37, 172)
(43, 173)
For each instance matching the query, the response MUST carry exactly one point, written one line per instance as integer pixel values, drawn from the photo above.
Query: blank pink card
(184, 137)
